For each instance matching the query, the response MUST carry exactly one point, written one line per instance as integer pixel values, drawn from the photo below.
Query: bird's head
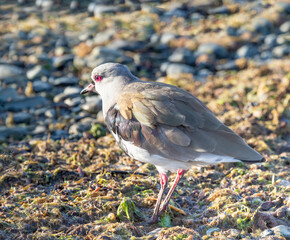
(109, 78)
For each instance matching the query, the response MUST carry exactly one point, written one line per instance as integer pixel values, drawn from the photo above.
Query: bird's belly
(163, 164)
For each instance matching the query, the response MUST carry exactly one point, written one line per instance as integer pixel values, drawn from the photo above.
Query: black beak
(84, 91)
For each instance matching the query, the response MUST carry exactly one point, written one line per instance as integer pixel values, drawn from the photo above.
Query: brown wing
(171, 122)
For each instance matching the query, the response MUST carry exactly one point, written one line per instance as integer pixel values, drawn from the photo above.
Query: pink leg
(180, 173)
(163, 182)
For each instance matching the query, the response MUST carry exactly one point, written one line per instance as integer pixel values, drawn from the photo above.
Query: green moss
(126, 210)
(165, 220)
(98, 130)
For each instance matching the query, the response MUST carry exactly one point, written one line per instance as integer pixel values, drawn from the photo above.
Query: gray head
(108, 80)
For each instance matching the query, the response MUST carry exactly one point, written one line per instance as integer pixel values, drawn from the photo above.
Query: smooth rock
(282, 230)
(8, 94)
(15, 133)
(65, 81)
(50, 113)
(285, 27)
(32, 102)
(182, 55)
(22, 117)
(220, 10)
(230, 65)
(104, 37)
(39, 129)
(127, 45)
(67, 93)
(72, 102)
(177, 68)
(211, 231)
(8, 71)
(99, 10)
(93, 104)
(281, 51)
(267, 232)
(213, 48)
(246, 51)
(283, 7)
(62, 60)
(270, 40)
(196, 16)
(78, 128)
(165, 38)
(262, 26)
(39, 86)
(35, 72)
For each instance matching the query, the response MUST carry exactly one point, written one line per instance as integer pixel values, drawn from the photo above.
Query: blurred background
(49, 47)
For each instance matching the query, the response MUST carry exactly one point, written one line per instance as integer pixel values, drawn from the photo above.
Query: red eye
(98, 78)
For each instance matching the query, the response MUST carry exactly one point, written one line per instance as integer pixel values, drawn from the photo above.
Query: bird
(164, 125)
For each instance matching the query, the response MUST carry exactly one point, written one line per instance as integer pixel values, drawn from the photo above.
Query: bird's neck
(111, 96)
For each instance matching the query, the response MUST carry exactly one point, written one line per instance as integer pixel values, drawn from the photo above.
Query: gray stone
(267, 232)
(78, 128)
(270, 40)
(282, 230)
(65, 81)
(101, 55)
(104, 37)
(283, 7)
(220, 10)
(79, 62)
(67, 93)
(72, 102)
(165, 38)
(182, 55)
(281, 51)
(212, 48)
(125, 45)
(262, 26)
(93, 104)
(50, 113)
(211, 231)
(35, 72)
(8, 94)
(285, 27)
(39, 130)
(8, 71)
(22, 117)
(39, 86)
(196, 16)
(62, 60)
(246, 51)
(13, 132)
(177, 68)
(230, 65)
(99, 10)
(32, 102)
(283, 39)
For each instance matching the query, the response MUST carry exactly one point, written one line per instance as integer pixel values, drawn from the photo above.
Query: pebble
(177, 69)
(19, 105)
(40, 86)
(8, 95)
(65, 81)
(50, 113)
(35, 72)
(182, 55)
(285, 27)
(10, 71)
(167, 37)
(282, 230)
(15, 133)
(22, 117)
(93, 104)
(99, 10)
(267, 232)
(211, 231)
(61, 61)
(212, 48)
(246, 51)
(281, 51)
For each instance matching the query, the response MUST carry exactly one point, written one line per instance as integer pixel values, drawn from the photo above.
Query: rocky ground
(62, 176)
